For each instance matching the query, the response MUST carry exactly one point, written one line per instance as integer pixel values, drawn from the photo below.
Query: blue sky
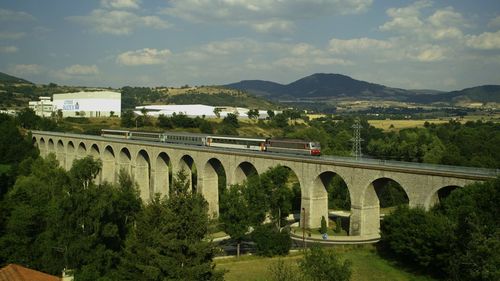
(444, 45)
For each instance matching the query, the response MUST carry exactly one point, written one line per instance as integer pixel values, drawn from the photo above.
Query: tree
(270, 114)
(127, 119)
(323, 228)
(234, 214)
(27, 118)
(231, 120)
(338, 194)
(417, 238)
(279, 195)
(271, 241)
(85, 170)
(280, 120)
(324, 265)
(28, 212)
(165, 122)
(217, 112)
(253, 114)
(167, 242)
(206, 127)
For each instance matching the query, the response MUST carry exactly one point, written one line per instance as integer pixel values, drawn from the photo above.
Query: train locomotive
(287, 146)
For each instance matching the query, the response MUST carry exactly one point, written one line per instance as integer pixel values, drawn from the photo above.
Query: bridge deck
(474, 173)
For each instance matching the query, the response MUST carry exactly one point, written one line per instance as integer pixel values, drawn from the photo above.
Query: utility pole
(356, 140)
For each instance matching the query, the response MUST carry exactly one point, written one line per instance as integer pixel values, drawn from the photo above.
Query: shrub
(323, 228)
(270, 241)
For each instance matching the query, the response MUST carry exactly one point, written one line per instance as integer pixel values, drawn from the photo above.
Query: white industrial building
(88, 104)
(42, 107)
(195, 110)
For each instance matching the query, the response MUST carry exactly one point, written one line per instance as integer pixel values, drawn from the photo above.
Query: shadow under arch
(61, 154)
(142, 174)
(96, 155)
(440, 194)
(124, 161)
(162, 177)
(51, 148)
(42, 147)
(108, 164)
(81, 151)
(214, 184)
(187, 164)
(243, 172)
(70, 154)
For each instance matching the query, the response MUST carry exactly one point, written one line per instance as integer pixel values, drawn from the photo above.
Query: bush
(270, 241)
(323, 228)
(338, 226)
(418, 238)
(323, 265)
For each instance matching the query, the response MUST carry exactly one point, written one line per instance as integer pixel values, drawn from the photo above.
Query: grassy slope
(366, 266)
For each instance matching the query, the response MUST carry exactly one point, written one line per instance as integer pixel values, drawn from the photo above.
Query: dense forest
(52, 219)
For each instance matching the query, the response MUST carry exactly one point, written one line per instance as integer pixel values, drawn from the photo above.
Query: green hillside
(8, 79)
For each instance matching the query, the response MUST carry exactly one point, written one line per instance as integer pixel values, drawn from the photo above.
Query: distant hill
(321, 86)
(482, 94)
(8, 79)
(258, 87)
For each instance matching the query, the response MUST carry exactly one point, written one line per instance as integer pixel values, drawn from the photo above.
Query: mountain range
(322, 86)
(325, 87)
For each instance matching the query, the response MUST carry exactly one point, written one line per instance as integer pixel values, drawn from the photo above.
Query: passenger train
(233, 142)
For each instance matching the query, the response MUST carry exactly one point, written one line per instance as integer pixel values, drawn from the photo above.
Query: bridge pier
(160, 178)
(141, 171)
(208, 186)
(313, 208)
(364, 220)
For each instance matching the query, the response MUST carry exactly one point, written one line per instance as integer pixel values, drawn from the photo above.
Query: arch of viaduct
(153, 164)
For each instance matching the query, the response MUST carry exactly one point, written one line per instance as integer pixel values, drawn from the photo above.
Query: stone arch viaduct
(153, 164)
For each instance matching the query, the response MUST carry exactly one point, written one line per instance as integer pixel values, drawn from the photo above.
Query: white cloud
(406, 17)
(443, 24)
(357, 44)
(144, 56)
(9, 15)
(484, 41)
(431, 54)
(25, 69)
(120, 4)
(8, 49)
(78, 69)
(273, 26)
(118, 22)
(495, 22)
(11, 35)
(262, 15)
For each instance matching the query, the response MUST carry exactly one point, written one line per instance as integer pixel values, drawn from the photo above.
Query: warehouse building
(195, 110)
(88, 104)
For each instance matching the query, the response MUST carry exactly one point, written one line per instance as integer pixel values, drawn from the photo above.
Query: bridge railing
(416, 165)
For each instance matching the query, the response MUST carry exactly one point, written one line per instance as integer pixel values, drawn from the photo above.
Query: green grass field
(366, 266)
